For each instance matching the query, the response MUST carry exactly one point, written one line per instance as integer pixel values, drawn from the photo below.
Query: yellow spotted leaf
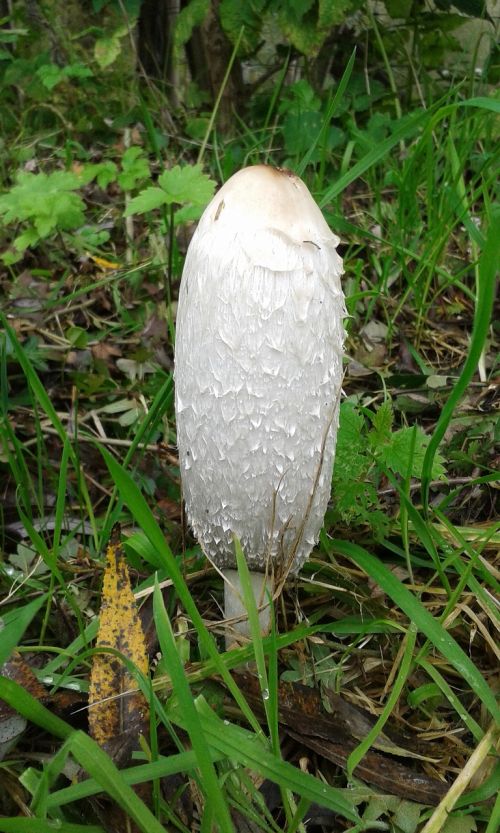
(104, 264)
(114, 708)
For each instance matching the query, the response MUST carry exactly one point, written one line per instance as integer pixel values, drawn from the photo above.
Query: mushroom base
(238, 632)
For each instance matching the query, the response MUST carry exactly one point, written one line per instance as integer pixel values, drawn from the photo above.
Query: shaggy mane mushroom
(258, 371)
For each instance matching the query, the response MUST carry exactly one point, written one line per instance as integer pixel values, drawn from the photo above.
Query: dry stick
(218, 100)
(444, 808)
(293, 550)
(114, 442)
(129, 220)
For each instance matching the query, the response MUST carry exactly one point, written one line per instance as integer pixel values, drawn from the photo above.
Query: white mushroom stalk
(258, 371)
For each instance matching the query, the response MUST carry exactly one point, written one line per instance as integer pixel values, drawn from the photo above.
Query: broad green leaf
(308, 33)
(50, 75)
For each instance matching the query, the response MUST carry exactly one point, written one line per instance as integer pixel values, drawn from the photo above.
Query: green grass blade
(14, 623)
(218, 100)
(241, 745)
(31, 825)
(483, 103)
(405, 130)
(404, 669)
(61, 496)
(373, 156)
(432, 671)
(488, 789)
(141, 774)
(160, 405)
(168, 647)
(94, 761)
(33, 379)
(488, 267)
(417, 613)
(494, 822)
(17, 698)
(86, 751)
(337, 98)
(43, 399)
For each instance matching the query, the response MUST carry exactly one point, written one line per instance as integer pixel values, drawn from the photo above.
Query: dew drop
(265, 694)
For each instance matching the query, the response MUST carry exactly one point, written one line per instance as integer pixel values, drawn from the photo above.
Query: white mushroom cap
(261, 197)
(258, 369)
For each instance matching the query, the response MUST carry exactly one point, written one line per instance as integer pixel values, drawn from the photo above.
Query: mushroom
(258, 372)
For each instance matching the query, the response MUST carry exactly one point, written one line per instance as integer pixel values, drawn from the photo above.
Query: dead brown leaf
(104, 350)
(115, 709)
(334, 736)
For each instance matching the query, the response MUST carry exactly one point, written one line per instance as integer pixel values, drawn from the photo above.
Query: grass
(395, 611)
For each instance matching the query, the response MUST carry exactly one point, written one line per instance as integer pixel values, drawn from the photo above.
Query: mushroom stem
(234, 605)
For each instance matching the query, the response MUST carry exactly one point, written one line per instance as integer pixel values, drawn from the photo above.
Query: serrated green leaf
(135, 167)
(147, 200)
(30, 237)
(103, 172)
(188, 214)
(308, 33)
(234, 15)
(381, 424)
(106, 50)
(350, 457)
(354, 495)
(9, 257)
(48, 202)
(187, 185)
(187, 19)
(404, 453)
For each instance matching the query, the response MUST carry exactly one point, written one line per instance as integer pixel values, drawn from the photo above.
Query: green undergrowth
(395, 611)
